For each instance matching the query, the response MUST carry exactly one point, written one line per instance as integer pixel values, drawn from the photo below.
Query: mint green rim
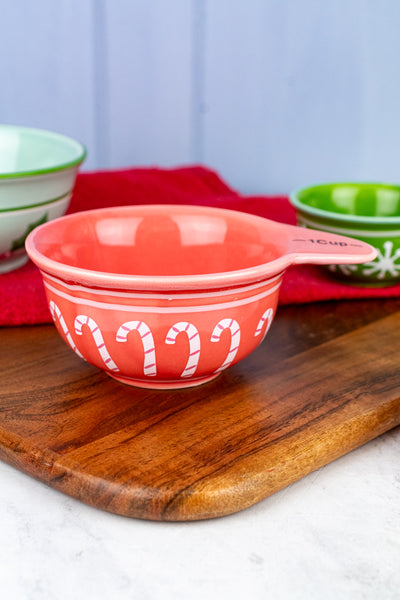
(328, 214)
(28, 206)
(61, 167)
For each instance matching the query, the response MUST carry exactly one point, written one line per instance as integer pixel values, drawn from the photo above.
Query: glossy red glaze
(168, 296)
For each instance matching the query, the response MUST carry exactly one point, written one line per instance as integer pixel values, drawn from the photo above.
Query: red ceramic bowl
(169, 296)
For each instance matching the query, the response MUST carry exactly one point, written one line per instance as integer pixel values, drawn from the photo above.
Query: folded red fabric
(22, 298)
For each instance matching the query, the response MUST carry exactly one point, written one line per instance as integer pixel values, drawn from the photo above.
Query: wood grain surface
(324, 381)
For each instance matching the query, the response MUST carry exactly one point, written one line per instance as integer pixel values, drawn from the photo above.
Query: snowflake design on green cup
(384, 264)
(345, 269)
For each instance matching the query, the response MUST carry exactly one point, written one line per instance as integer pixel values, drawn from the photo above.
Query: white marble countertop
(332, 535)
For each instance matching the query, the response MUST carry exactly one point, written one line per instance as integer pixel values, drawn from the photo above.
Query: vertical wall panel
(46, 67)
(381, 91)
(149, 66)
(198, 76)
(298, 92)
(272, 93)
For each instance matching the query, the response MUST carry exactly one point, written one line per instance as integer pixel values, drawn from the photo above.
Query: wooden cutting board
(325, 380)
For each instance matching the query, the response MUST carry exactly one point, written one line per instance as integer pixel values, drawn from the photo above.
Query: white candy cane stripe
(56, 313)
(194, 344)
(267, 316)
(98, 339)
(149, 367)
(234, 328)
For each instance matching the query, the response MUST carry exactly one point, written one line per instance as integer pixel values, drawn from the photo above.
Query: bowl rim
(343, 218)
(164, 283)
(81, 152)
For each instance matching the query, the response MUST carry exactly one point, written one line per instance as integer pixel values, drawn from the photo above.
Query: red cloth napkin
(22, 298)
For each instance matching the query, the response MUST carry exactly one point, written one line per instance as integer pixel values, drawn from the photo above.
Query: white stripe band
(163, 296)
(351, 232)
(161, 309)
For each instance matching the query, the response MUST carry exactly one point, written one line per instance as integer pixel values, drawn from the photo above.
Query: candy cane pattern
(234, 328)
(267, 316)
(56, 312)
(98, 339)
(146, 336)
(194, 345)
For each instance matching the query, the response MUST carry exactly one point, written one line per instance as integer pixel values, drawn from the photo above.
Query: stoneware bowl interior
(366, 211)
(169, 296)
(37, 174)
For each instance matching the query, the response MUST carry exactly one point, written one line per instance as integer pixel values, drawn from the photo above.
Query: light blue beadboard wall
(273, 94)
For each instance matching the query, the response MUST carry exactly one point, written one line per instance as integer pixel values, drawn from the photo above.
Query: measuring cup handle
(320, 247)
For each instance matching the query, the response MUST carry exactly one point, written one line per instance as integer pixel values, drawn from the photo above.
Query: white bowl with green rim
(38, 171)
(366, 211)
